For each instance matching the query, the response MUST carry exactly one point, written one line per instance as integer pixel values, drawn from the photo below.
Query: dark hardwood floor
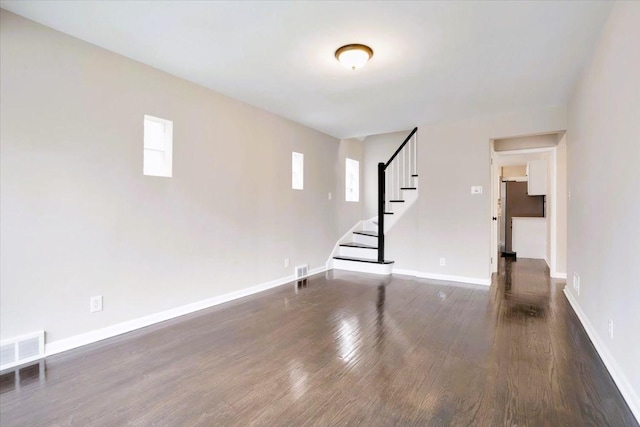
(342, 349)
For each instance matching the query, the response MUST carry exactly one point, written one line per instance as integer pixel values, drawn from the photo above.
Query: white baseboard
(445, 277)
(554, 274)
(627, 391)
(131, 325)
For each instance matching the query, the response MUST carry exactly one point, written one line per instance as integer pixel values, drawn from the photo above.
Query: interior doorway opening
(528, 200)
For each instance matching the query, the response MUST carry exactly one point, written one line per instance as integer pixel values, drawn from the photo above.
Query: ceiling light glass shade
(354, 56)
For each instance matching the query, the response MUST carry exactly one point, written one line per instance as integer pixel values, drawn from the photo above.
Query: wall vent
(302, 271)
(23, 349)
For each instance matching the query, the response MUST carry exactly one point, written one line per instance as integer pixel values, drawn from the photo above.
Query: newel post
(381, 202)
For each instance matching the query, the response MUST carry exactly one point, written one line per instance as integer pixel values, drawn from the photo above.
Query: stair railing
(403, 166)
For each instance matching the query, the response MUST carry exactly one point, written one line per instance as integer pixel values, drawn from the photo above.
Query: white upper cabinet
(537, 178)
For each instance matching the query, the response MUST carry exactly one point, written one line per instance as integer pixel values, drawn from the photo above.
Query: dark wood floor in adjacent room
(347, 348)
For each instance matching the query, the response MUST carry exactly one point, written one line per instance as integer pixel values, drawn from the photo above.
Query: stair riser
(369, 226)
(364, 267)
(359, 252)
(366, 240)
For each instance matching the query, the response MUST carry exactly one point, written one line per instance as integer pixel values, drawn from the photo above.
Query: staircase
(362, 248)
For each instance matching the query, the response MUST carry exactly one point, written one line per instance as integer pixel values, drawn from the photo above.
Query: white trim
(131, 325)
(552, 187)
(627, 391)
(554, 274)
(445, 277)
(494, 186)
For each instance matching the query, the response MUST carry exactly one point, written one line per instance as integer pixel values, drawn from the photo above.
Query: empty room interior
(319, 213)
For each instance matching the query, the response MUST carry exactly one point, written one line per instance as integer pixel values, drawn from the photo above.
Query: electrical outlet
(476, 189)
(96, 304)
(576, 283)
(611, 328)
(286, 263)
(443, 262)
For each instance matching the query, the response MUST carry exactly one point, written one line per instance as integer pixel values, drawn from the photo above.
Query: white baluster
(404, 163)
(411, 159)
(415, 154)
(393, 181)
(399, 184)
(397, 180)
(388, 191)
(413, 147)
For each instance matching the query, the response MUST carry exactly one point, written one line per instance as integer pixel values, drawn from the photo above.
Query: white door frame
(495, 191)
(551, 200)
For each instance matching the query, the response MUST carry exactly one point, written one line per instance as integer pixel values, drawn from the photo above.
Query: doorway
(551, 222)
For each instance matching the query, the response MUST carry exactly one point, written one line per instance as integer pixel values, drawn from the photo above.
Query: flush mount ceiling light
(354, 56)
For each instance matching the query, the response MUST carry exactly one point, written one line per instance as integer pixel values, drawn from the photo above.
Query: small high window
(158, 147)
(297, 171)
(352, 180)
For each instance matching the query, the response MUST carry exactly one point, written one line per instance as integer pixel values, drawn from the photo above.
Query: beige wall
(521, 142)
(603, 152)
(79, 218)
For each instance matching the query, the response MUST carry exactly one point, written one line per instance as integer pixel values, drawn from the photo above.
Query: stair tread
(372, 261)
(408, 188)
(367, 233)
(358, 245)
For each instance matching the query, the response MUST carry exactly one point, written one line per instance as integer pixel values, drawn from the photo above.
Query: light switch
(476, 189)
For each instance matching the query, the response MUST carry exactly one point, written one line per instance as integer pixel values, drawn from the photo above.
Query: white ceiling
(433, 61)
